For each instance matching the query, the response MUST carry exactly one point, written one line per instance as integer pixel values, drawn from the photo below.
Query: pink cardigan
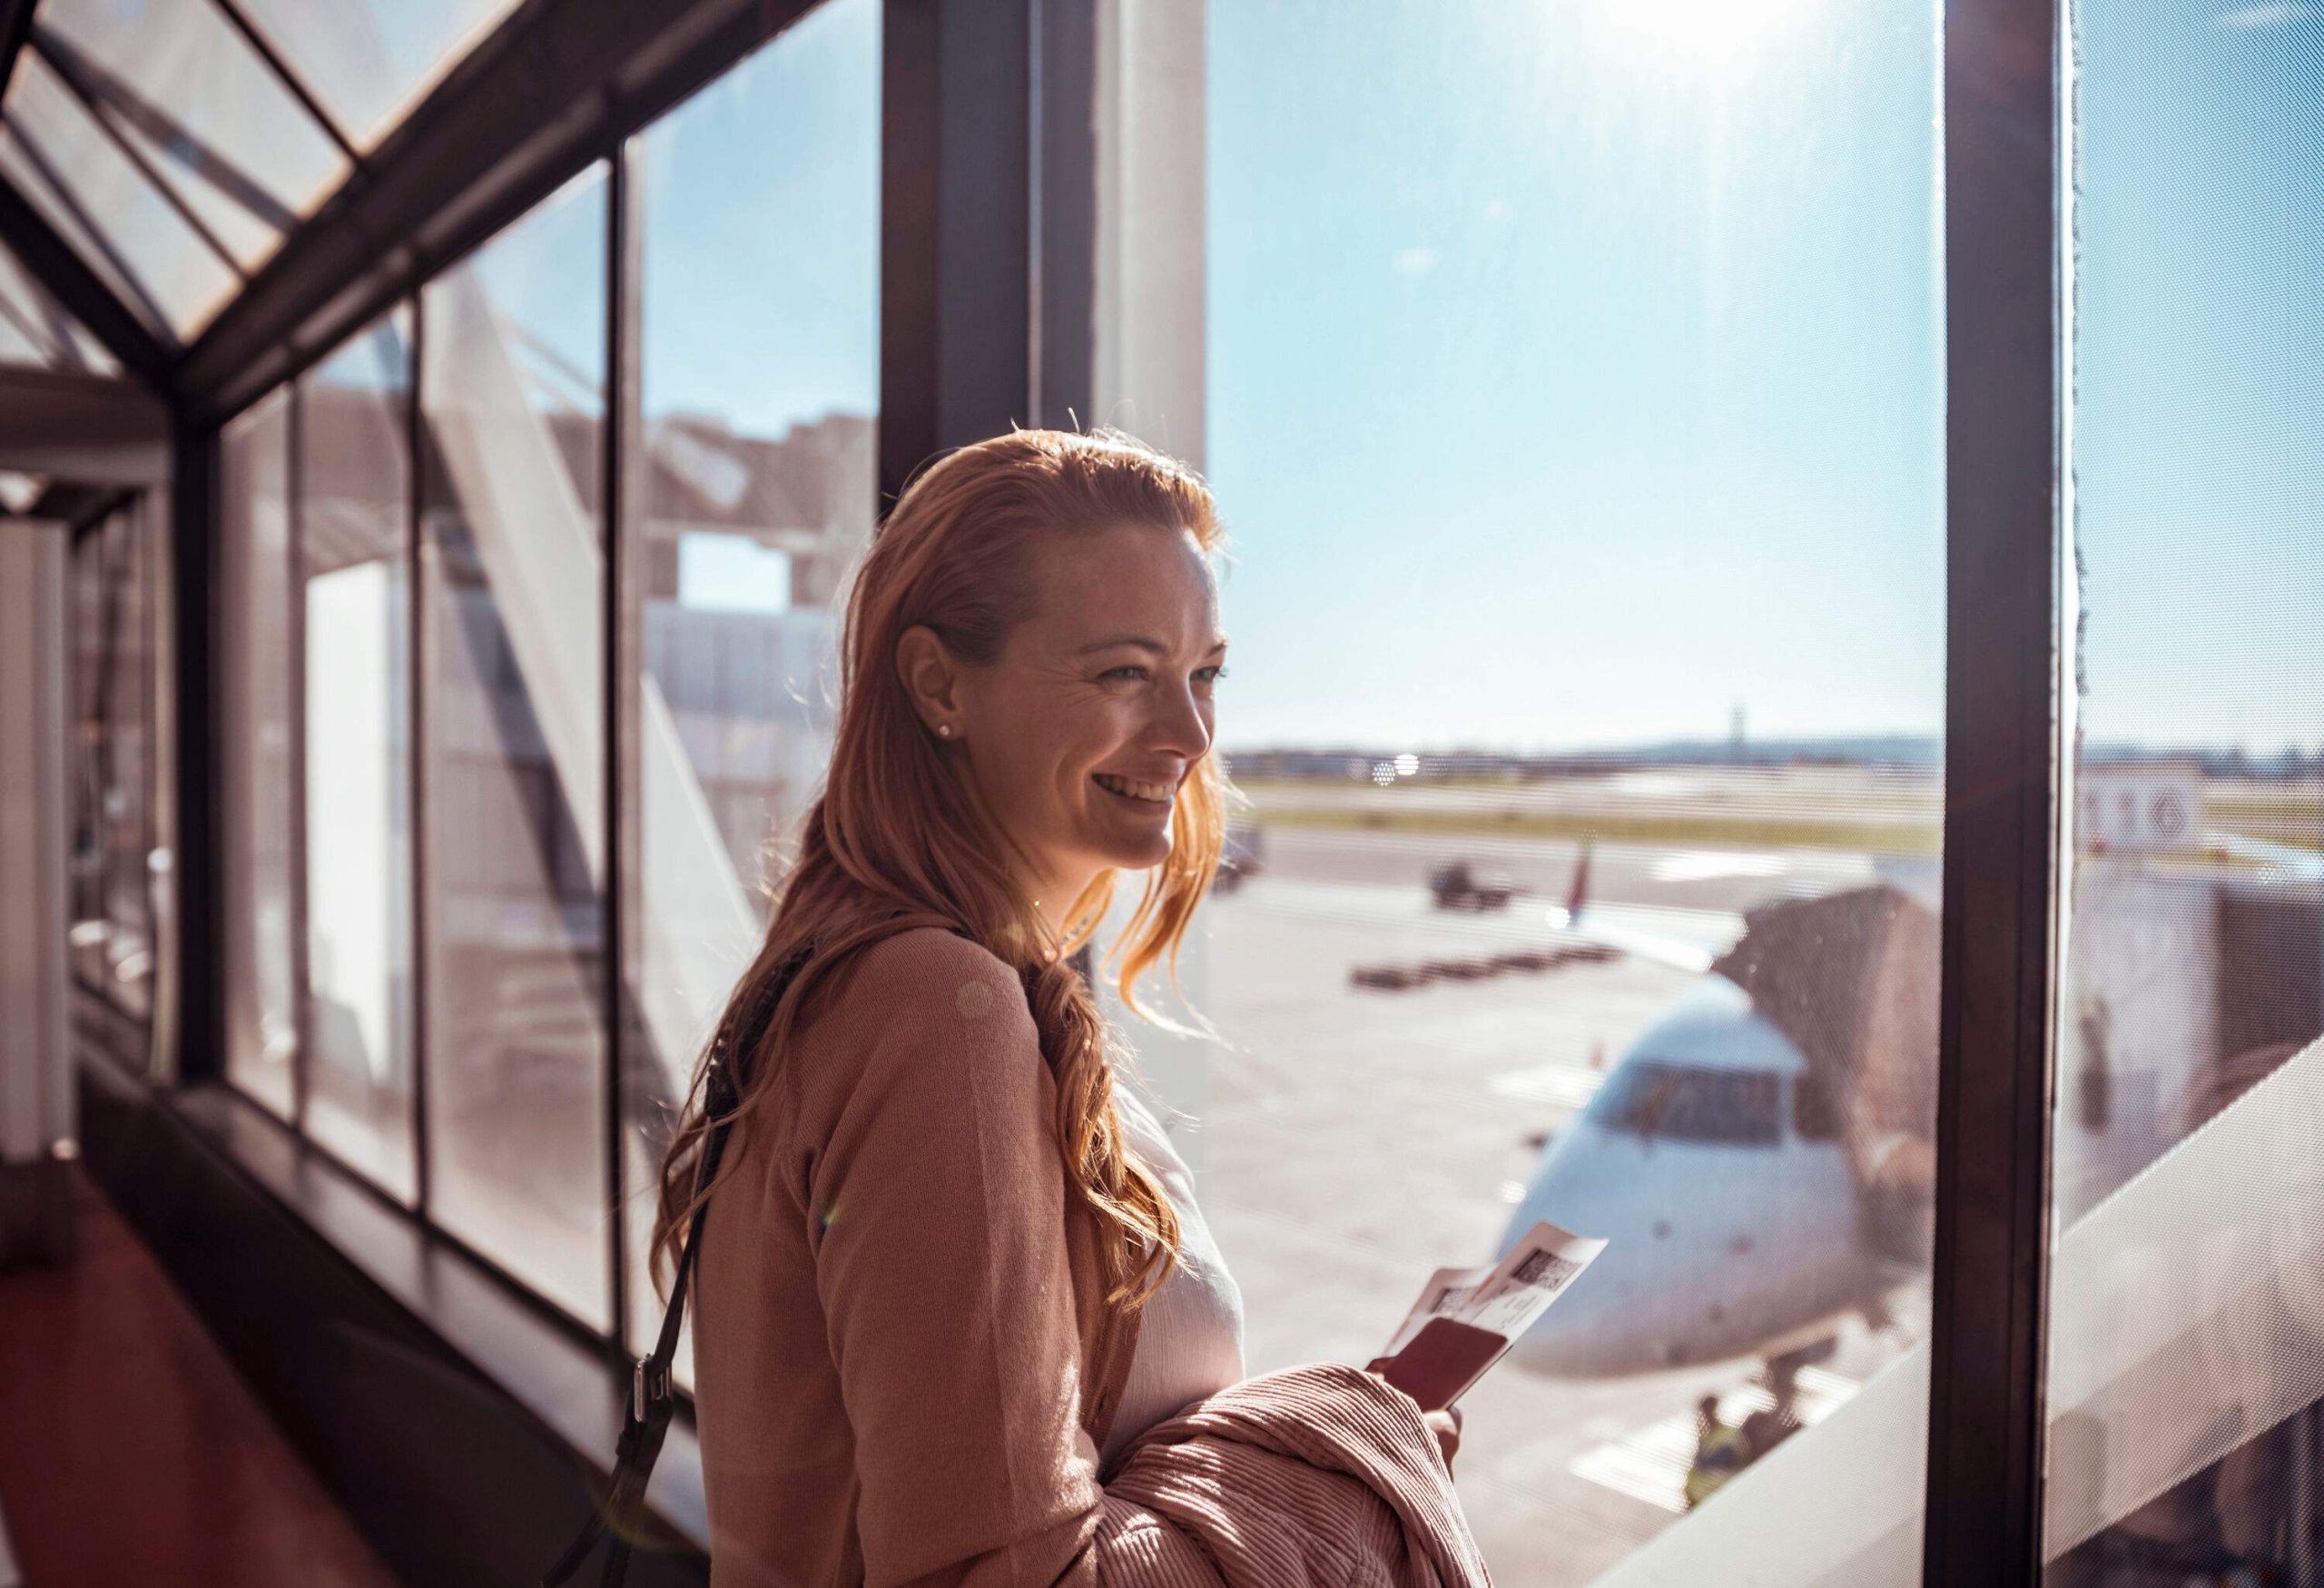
(902, 1373)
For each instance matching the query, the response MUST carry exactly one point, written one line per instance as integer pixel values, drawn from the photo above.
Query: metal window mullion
(68, 73)
(302, 1003)
(2003, 749)
(197, 867)
(16, 32)
(421, 642)
(621, 681)
(291, 82)
(956, 213)
(1062, 250)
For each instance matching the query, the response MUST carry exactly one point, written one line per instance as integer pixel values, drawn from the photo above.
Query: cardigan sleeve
(936, 1205)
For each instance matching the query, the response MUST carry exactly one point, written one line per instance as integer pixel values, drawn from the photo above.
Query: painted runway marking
(1700, 865)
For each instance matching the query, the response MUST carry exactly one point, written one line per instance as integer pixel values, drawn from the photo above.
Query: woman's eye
(1130, 669)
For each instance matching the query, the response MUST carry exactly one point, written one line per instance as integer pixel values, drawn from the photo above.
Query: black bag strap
(645, 1421)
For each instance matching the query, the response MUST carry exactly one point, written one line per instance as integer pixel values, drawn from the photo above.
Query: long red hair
(897, 840)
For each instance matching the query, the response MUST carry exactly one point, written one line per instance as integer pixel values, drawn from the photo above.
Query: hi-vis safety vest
(1724, 1452)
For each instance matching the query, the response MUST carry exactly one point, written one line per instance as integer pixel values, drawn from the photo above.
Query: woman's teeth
(1156, 794)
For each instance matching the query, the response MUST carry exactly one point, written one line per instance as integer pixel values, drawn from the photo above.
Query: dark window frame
(2003, 767)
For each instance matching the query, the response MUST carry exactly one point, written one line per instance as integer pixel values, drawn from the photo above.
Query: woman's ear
(931, 677)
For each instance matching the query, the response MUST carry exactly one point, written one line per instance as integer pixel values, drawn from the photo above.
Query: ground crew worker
(1720, 1452)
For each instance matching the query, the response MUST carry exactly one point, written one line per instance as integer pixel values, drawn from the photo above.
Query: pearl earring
(945, 729)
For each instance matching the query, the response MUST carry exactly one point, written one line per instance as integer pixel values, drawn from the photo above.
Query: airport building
(437, 441)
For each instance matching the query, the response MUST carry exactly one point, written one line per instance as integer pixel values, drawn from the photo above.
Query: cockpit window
(1687, 1102)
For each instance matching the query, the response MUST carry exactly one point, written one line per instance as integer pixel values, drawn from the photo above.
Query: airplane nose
(1605, 1323)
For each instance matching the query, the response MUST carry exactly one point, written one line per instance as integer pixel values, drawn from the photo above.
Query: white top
(1190, 1342)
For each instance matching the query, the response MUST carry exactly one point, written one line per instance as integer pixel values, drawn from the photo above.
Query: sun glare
(1708, 30)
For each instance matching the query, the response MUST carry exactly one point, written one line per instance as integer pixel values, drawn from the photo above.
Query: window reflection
(354, 541)
(255, 678)
(111, 893)
(93, 194)
(2184, 1383)
(128, 717)
(371, 61)
(513, 408)
(87, 594)
(35, 330)
(756, 478)
(180, 85)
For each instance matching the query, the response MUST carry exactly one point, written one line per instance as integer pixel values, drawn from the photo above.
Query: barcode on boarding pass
(1546, 1271)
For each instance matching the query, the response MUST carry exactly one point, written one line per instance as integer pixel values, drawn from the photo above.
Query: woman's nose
(1184, 726)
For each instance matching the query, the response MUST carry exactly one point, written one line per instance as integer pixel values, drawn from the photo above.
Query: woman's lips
(1135, 789)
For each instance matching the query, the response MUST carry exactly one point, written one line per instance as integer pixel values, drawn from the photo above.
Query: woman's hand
(1446, 1425)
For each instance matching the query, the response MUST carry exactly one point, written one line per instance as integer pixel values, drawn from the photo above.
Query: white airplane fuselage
(1729, 1234)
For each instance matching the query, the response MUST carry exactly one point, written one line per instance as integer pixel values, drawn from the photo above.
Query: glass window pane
(188, 91)
(87, 883)
(368, 60)
(514, 342)
(354, 556)
(34, 329)
(127, 807)
(255, 662)
(757, 483)
(29, 171)
(89, 191)
(2186, 1304)
(163, 1055)
(23, 339)
(1586, 481)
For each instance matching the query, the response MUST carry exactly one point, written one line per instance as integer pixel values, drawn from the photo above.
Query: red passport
(1439, 1364)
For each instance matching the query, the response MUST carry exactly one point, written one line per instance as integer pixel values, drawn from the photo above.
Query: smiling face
(1079, 733)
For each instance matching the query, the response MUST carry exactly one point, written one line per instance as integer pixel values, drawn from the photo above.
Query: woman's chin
(1137, 853)
(1146, 858)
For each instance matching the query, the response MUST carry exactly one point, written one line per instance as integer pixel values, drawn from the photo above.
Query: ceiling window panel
(16, 347)
(34, 329)
(201, 109)
(25, 169)
(368, 62)
(125, 225)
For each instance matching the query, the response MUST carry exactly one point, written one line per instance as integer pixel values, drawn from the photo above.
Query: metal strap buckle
(648, 1385)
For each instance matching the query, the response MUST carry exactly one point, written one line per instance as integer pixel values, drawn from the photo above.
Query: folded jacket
(1318, 1477)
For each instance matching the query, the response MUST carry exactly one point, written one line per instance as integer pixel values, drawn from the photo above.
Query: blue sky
(761, 254)
(1576, 366)
(2200, 430)
(1571, 384)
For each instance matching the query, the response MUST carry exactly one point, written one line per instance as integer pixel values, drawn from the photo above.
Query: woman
(950, 1271)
